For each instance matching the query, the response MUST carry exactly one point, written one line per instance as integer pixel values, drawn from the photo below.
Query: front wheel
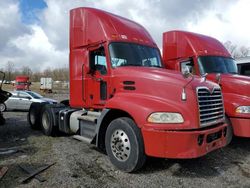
(2, 107)
(124, 145)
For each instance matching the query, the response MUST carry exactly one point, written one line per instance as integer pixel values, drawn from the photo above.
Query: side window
(98, 61)
(24, 95)
(187, 65)
(14, 95)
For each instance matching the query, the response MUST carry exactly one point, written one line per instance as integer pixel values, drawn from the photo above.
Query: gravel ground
(81, 165)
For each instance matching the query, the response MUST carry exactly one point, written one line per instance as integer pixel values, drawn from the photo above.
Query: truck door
(98, 82)
(24, 101)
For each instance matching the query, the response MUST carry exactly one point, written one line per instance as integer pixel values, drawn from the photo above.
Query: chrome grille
(210, 106)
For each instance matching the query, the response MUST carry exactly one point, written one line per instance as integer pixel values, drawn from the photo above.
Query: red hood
(233, 83)
(164, 76)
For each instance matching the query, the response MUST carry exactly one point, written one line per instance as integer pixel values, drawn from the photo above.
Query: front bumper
(241, 126)
(183, 144)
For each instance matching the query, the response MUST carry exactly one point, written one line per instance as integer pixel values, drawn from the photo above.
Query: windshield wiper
(158, 66)
(134, 65)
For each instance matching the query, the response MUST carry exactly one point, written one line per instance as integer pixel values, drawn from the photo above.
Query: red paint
(180, 45)
(243, 128)
(180, 144)
(22, 83)
(153, 89)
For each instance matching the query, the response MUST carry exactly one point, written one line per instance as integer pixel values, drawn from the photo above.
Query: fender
(140, 106)
(232, 101)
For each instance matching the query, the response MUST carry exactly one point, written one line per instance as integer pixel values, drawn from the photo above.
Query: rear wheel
(2, 120)
(2, 107)
(47, 121)
(34, 115)
(124, 145)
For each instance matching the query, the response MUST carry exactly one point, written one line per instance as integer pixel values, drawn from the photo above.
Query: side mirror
(186, 72)
(218, 78)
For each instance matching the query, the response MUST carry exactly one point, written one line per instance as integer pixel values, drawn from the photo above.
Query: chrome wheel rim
(120, 145)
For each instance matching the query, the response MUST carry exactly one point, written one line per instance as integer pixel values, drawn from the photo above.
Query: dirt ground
(80, 165)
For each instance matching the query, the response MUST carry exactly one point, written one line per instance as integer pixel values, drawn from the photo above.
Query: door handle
(99, 79)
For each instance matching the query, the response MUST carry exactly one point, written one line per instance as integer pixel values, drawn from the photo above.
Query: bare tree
(10, 69)
(236, 51)
(26, 71)
(244, 51)
(47, 72)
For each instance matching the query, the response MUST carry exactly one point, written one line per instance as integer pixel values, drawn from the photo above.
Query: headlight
(165, 117)
(243, 109)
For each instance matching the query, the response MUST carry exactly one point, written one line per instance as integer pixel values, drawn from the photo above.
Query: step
(82, 138)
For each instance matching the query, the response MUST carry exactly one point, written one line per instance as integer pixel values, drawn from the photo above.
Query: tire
(65, 102)
(230, 131)
(34, 115)
(2, 120)
(124, 145)
(2, 107)
(47, 121)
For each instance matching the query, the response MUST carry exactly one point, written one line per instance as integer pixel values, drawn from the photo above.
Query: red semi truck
(206, 56)
(125, 102)
(22, 83)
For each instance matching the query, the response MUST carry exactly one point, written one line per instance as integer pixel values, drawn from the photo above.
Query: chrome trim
(210, 105)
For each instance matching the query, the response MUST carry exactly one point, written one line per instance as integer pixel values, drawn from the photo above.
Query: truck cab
(22, 83)
(207, 57)
(124, 101)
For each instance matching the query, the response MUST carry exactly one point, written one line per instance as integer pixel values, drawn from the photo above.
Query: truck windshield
(130, 54)
(21, 83)
(217, 64)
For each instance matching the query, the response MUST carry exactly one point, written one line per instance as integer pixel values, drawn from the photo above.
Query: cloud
(10, 23)
(44, 43)
(43, 52)
(227, 21)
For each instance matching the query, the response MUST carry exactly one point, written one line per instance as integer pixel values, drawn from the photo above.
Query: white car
(21, 100)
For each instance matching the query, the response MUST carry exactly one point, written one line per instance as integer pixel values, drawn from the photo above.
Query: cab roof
(89, 26)
(182, 44)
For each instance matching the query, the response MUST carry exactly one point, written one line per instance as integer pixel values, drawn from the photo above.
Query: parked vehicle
(21, 100)
(46, 85)
(243, 65)
(125, 102)
(207, 57)
(4, 95)
(22, 83)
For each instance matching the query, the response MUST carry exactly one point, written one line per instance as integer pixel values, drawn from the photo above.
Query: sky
(35, 33)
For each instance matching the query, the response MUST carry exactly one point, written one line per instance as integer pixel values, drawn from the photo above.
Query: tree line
(237, 51)
(60, 74)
